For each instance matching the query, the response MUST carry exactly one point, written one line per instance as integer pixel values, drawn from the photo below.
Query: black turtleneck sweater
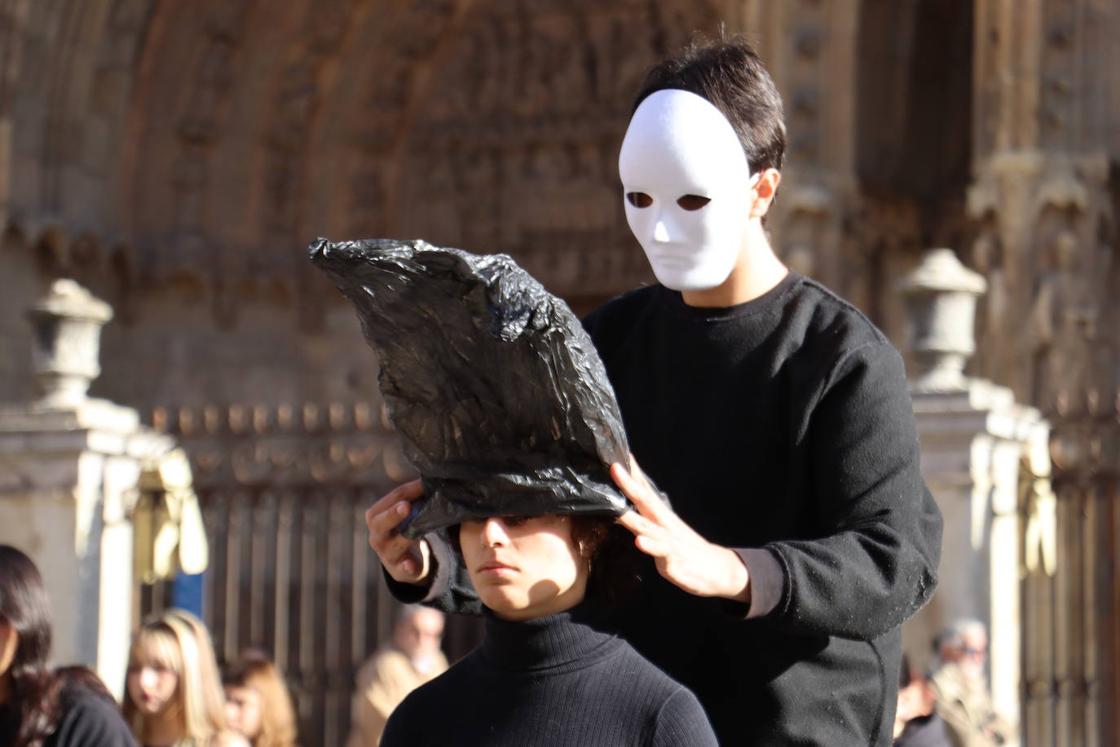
(557, 681)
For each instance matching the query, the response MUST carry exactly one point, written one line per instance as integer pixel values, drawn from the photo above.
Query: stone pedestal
(975, 441)
(69, 471)
(67, 481)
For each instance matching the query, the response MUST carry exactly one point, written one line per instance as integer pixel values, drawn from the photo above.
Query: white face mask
(686, 188)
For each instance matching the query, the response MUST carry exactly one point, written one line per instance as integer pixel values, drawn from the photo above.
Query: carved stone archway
(176, 157)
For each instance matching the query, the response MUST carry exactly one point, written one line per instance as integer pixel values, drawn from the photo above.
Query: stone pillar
(811, 50)
(1043, 201)
(974, 437)
(69, 467)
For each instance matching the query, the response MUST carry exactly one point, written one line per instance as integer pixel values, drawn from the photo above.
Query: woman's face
(9, 642)
(243, 710)
(151, 686)
(524, 567)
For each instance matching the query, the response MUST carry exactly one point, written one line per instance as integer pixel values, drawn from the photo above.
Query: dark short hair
(730, 74)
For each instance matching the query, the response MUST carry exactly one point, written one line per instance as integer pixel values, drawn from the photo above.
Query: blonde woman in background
(174, 696)
(258, 705)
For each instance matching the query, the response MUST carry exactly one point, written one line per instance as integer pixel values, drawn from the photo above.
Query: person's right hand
(407, 561)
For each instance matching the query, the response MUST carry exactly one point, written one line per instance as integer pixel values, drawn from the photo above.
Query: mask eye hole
(639, 199)
(693, 202)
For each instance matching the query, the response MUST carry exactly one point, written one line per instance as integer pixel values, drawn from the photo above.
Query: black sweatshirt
(556, 681)
(783, 428)
(86, 718)
(89, 720)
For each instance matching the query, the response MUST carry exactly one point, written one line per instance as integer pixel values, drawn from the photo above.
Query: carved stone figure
(1062, 321)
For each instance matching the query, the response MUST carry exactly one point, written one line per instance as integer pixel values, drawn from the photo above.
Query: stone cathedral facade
(176, 157)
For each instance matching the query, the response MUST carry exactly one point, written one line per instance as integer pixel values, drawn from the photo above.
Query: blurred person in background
(412, 658)
(960, 683)
(258, 706)
(174, 696)
(916, 723)
(69, 707)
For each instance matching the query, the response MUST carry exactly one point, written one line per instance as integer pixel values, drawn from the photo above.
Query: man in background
(412, 658)
(961, 687)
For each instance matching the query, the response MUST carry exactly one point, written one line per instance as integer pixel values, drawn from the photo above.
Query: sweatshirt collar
(770, 299)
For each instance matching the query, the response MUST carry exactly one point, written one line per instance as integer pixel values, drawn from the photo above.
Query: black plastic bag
(495, 388)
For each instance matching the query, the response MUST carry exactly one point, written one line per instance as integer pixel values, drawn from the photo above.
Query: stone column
(811, 50)
(974, 437)
(69, 467)
(1043, 200)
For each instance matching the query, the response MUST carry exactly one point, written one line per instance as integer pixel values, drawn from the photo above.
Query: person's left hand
(681, 555)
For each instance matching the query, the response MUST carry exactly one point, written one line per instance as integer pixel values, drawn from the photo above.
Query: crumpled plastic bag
(496, 390)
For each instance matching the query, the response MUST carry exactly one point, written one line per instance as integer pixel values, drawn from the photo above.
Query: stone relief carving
(1062, 319)
(523, 123)
(286, 445)
(295, 102)
(987, 257)
(805, 75)
(374, 194)
(1071, 272)
(806, 214)
(1054, 287)
(1059, 59)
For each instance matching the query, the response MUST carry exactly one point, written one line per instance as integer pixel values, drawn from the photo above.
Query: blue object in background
(186, 592)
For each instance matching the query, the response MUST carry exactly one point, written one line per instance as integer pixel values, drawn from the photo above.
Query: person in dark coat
(69, 707)
(773, 415)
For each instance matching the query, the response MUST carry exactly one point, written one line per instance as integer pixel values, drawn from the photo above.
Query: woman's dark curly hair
(614, 561)
(36, 697)
(30, 714)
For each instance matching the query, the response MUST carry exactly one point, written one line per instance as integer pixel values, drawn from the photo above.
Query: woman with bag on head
(547, 672)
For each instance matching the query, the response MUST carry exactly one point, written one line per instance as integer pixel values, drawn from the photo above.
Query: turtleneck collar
(555, 641)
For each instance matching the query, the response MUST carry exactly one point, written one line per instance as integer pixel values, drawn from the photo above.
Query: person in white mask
(774, 417)
(693, 203)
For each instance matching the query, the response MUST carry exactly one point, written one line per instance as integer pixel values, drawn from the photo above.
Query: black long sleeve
(89, 720)
(872, 565)
(450, 589)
